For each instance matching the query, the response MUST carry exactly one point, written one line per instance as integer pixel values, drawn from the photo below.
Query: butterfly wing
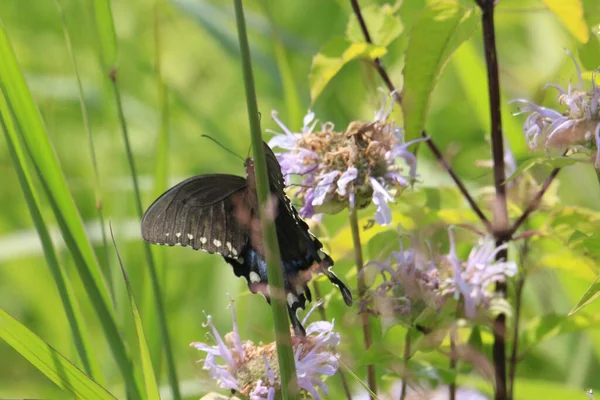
(199, 212)
(300, 250)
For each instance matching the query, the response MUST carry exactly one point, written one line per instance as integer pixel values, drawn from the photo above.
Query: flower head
(410, 287)
(576, 126)
(352, 168)
(253, 369)
(471, 279)
(415, 287)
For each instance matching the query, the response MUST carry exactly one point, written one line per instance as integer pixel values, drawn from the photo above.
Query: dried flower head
(352, 168)
(253, 371)
(575, 127)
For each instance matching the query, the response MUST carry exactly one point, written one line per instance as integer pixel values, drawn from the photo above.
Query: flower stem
(405, 364)
(500, 222)
(453, 359)
(371, 378)
(461, 186)
(287, 367)
(323, 315)
(536, 200)
(513, 361)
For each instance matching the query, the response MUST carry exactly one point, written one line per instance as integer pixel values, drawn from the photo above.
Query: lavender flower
(253, 369)
(415, 288)
(350, 168)
(576, 126)
(410, 287)
(472, 279)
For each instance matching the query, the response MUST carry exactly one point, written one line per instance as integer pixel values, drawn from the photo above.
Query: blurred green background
(201, 70)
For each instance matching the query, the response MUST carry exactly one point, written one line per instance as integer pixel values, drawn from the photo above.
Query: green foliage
(178, 70)
(571, 15)
(384, 26)
(49, 361)
(333, 56)
(29, 126)
(383, 23)
(150, 384)
(437, 32)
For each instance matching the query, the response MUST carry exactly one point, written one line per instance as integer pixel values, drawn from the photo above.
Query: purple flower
(576, 127)
(415, 286)
(409, 288)
(247, 368)
(350, 168)
(472, 279)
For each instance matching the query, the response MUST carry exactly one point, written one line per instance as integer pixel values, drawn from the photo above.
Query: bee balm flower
(349, 168)
(575, 126)
(252, 370)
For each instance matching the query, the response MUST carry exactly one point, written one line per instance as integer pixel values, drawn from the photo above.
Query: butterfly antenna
(223, 147)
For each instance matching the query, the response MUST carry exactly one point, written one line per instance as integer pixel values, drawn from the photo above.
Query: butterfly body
(218, 213)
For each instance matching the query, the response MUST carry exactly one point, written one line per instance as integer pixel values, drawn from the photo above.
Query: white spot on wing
(228, 244)
(178, 234)
(217, 243)
(240, 260)
(203, 240)
(167, 234)
(291, 299)
(190, 236)
(254, 277)
(234, 252)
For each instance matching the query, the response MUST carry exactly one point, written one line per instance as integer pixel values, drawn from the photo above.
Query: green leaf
(33, 135)
(290, 91)
(49, 361)
(589, 53)
(589, 296)
(539, 329)
(552, 162)
(570, 13)
(341, 242)
(61, 279)
(437, 32)
(107, 37)
(151, 388)
(332, 58)
(470, 70)
(589, 246)
(527, 389)
(384, 26)
(104, 25)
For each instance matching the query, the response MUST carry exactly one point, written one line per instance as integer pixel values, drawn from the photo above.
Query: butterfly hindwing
(199, 212)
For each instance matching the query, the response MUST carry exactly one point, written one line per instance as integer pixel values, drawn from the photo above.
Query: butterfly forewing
(199, 212)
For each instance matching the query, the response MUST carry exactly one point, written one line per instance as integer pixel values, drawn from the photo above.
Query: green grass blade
(160, 185)
(285, 354)
(104, 24)
(161, 314)
(32, 134)
(65, 291)
(107, 37)
(290, 91)
(150, 386)
(49, 361)
(97, 191)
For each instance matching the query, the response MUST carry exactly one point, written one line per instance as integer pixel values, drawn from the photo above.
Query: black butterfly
(215, 213)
